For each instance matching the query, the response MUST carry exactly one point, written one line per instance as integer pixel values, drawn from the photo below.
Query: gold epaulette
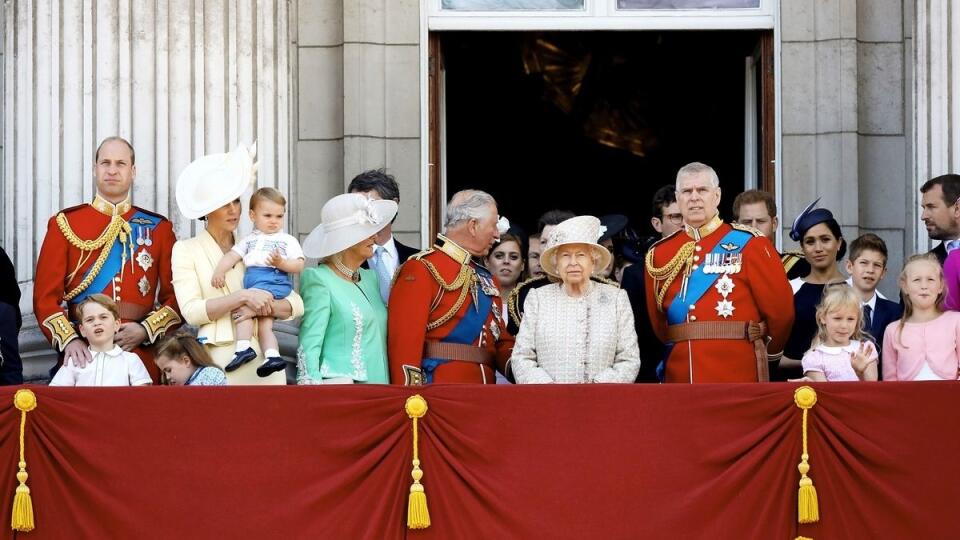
(746, 228)
(158, 322)
(789, 259)
(513, 299)
(420, 254)
(464, 281)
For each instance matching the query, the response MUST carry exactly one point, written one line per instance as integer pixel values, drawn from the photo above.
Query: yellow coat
(194, 261)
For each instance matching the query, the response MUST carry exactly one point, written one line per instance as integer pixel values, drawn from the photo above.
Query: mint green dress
(344, 328)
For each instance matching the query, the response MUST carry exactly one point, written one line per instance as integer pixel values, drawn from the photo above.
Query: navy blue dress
(806, 298)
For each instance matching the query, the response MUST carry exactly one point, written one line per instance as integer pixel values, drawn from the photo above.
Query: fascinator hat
(811, 217)
(346, 220)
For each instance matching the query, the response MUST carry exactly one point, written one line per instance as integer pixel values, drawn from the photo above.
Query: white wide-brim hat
(212, 181)
(347, 220)
(584, 230)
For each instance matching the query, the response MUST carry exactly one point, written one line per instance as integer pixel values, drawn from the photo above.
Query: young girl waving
(925, 343)
(840, 352)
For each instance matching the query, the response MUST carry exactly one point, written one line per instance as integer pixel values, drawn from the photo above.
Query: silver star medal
(144, 259)
(724, 286)
(144, 285)
(724, 308)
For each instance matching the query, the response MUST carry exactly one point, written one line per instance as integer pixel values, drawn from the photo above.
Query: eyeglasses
(676, 219)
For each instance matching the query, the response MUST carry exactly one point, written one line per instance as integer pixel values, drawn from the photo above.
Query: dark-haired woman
(823, 246)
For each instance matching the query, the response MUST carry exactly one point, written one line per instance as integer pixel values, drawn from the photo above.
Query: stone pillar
(844, 121)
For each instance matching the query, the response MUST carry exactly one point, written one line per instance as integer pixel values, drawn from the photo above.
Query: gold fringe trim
(22, 517)
(418, 515)
(808, 510)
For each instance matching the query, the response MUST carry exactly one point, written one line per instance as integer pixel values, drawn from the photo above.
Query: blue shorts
(265, 278)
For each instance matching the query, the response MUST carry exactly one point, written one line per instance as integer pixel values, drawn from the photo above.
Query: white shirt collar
(115, 351)
(849, 347)
(872, 303)
(391, 248)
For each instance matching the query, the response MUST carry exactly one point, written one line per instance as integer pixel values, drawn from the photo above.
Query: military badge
(724, 308)
(144, 286)
(144, 259)
(729, 246)
(724, 286)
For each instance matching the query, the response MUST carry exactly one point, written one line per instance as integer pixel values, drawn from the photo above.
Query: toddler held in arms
(270, 256)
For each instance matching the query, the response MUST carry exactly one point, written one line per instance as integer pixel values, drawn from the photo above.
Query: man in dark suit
(867, 264)
(941, 212)
(11, 369)
(666, 219)
(389, 253)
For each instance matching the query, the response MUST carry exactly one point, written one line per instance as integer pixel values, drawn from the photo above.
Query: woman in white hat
(210, 189)
(343, 336)
(576, 330)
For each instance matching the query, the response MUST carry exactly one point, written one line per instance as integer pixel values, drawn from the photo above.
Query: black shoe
(271, 365)
(240, 359)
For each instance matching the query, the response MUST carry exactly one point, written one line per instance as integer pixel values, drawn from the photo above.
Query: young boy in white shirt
(270, 256)
(99, 319)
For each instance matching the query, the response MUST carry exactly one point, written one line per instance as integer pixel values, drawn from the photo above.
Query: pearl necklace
(354, 275)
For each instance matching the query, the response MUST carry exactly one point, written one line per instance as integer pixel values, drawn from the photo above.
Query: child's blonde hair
(267, 194)
(183, 343)
(907, 303)
(101, 299)
(837, 296)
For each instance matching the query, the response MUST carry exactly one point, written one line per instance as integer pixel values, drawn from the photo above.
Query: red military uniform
(751, 286)
(436, 333)
(73, 258)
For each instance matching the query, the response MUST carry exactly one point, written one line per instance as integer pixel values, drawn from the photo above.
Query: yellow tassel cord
(803, 538)
(807, 507)
(418, 516)
(22, 518)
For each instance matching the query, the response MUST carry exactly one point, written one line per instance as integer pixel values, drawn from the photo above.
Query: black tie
(867, 319)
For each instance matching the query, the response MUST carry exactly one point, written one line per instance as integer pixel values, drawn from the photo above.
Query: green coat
(344, 327)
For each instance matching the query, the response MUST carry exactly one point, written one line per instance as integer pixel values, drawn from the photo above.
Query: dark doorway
(593, 122)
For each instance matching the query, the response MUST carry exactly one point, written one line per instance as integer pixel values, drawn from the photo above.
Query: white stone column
(178, 78)
(936, 119)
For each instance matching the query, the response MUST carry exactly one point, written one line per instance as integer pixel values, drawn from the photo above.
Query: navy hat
(612, 225)
(808, 218)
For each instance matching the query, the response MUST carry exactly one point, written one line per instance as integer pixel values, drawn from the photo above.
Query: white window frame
(601, 15)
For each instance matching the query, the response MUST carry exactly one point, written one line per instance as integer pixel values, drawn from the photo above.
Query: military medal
(148, 241)
(144, 286)
(144, 260)
(494, 324)
(140, 236)
(725, 308)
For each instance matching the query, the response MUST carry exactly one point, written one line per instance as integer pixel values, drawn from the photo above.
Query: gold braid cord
(465, 280)
(117, 228)
(667, 273)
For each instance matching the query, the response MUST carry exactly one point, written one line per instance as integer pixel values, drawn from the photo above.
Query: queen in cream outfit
(210, 189)
(576, 330)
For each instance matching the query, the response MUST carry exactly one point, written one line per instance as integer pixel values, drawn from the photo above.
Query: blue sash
(697, 285)
(466, 331)
(114, 260)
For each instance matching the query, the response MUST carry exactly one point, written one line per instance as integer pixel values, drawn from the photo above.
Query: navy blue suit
(885, 312)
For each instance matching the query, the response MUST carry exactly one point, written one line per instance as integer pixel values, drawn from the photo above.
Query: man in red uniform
(107, 246)
(445, 318)
(716, 294)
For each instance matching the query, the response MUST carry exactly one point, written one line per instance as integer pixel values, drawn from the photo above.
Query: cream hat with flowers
(347, 220)
(584, 230)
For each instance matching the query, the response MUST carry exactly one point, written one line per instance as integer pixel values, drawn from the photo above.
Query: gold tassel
(803, 538)
(808, 510)
(418, 516)
(22, 517)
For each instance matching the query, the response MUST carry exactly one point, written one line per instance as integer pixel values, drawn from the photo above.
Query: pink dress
(925, 351)
(834, 362)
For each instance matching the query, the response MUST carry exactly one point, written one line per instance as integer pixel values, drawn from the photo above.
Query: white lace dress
(590, 339)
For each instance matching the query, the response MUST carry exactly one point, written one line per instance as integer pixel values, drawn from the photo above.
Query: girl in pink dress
(925, 343)
(840, 352)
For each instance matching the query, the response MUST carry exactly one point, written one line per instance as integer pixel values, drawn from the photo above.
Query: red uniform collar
(704, 230)
(108, 208)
